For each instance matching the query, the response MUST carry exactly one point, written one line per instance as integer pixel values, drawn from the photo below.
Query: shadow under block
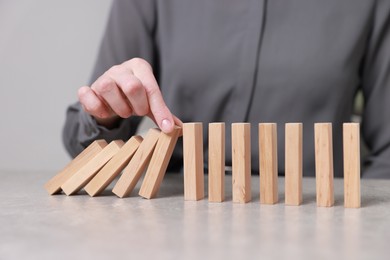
(86, 173)
(293, 164)
(241, 162)
(351, 145)
(54, 184)
(268, 163)
(193, 161)
(159, 163)
(109, 171)
(216, 174)
(324, 164)
(133, 171)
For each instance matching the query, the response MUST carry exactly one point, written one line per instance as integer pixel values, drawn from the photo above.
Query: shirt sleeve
(129, 33)
(376, 91)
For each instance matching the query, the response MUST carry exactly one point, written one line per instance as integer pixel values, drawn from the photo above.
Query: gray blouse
(256, 61)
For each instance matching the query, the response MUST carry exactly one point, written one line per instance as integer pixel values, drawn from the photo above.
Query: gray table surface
(35, 225)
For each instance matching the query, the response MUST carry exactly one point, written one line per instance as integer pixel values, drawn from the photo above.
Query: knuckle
(115, 69)
(104, 85)
(153, 92)
(132, 87)
(139, 62)
(82, 92)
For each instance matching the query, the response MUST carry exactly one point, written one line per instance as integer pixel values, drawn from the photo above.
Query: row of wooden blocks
(100, 163)
(268, 163)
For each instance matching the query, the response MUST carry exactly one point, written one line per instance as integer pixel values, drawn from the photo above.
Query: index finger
(163, 116)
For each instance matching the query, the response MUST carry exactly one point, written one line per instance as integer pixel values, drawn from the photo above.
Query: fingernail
(166, 125)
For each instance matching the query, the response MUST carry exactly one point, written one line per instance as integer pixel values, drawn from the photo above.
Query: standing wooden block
(108, 173)
(351, 143)
(268, 163)
(324, 164)
(241, 162)
(133, 171)
(159, 163)
(293, 164)
(86, 173)
(193, 161)
(54, 184)
(216, 162)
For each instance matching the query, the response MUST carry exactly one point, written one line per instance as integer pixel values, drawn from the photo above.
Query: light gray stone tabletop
(34, 225)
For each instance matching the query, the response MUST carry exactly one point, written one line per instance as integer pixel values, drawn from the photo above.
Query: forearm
(81, 129)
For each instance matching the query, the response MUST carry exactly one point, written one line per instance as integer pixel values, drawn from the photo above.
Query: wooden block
(108, 173)
(241, 162)
(324, 164)
(133, 171)
(268, 158)
(86, 173)
(293, 164)
(351, 143)
(216, 162)
(54, 184)
(193, 161)
(159, 163)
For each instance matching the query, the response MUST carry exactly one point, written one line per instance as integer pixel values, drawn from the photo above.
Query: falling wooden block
(268, 163)
(193, 161)
(241, 162)
(351, 143)
(54, 184)
(293, 164)
(108, 173)
(324, 164)
(133, 171)
(86, 173)
(159, 163)
(216, 162)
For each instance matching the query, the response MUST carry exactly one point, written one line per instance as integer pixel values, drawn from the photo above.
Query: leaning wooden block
(216, 162)
(293, 164)
(193, 161)
(241, 162)
(133, 171)
(268, 163)
(54, 184)
(324, 164)
(159, 163)
(108, 173)
(351, 143)
(86, 173)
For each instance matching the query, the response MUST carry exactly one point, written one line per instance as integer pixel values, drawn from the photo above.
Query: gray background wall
(47, 50)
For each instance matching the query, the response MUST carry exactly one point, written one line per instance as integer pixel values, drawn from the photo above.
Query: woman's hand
(125, 90)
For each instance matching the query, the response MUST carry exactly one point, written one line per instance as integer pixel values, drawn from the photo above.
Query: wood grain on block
(112, 169)
(159, 163)
(133, 171)
(241, 162)
(268, 163)
(86, 173)
(193, 161)
(54, 184)
(351, 143)
(216, 174)
(324, 164)
(293, 164)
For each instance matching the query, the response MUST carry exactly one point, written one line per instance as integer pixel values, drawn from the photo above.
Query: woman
(235, 61)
